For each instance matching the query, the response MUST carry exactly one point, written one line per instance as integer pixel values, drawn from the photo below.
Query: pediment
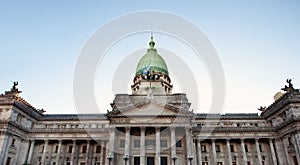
(149, 108)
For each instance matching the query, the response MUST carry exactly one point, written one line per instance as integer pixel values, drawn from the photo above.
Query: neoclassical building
(151, 126)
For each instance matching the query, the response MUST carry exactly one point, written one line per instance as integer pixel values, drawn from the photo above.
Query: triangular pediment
(149, 108)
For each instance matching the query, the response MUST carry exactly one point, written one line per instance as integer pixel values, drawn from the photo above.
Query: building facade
(151, 126)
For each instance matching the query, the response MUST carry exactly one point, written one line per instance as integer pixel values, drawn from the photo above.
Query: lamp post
(110, 158)
(174, 159)
(190, 157)
(125, 157)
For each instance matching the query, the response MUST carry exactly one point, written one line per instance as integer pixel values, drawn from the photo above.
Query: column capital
(127, 128)
(46, 140)
(213, 140)
(256, 139)
(242, 139)
(60, 140)
(157, 129)
(227, 139)
(142, 128)
(74, 141)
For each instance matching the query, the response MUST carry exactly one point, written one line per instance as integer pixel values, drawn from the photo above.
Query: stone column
(102, 150)
(157, 145)
(173, 142)
(45, 151)
(73, 152)
(127, 145)
(107, 152)
(296, 146)
(199, 156)
(142, 146)
(111, 148)
(280, 152)
(243, 152)
(188, 144)
(213, 144)
(3, 148)
(87, 153)
(58, 152)
(272, 152)
(9, 138)
(285, 147)
(228, 151)
(30, 151)
(259, 160)
(24, 159)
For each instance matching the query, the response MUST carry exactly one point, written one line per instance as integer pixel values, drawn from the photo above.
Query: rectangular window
(204, 163)
(136, 161)
(218, 148)
(98, 149)
(68, 163)
(178, 143)
(219, 163)
(231, 148)
(136, 143)
(70, 149)
(248, 163)
(163, 143)
(56, 149)
(122, 144)
(203, 148)
(82, 163)
(84, 149)
(260, 148)
(246, 148)
(54, 163)
(150, 142)
(13, 142)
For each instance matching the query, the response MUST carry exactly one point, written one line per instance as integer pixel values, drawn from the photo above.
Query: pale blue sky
(258, 43)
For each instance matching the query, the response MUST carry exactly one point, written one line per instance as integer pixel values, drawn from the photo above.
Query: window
(150, 142)
(290, 140)
(248, 163)
(163, 143)
(246, 148)
(178, 143)
(136, 143)
(204, 163)
(70, 149)
(13, 142)
(82, 163)
(260, 148)
(56, 149)
(164, 160)
(238, 124)
(122, 143)
(218, 148)
(84, 149)
(219, 163)
(53, 163)
(98, 149)
(203, 148)
(231, 148)
(68, 163)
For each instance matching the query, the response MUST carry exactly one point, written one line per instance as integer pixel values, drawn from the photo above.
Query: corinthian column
(273, 152)
(157, 145)
(258, 152)
(45, 152)
(142, 146)
(58, 152)
(244, 152)
(228, 151)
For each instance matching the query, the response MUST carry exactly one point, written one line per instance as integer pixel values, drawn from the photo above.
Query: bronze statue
(290, 87)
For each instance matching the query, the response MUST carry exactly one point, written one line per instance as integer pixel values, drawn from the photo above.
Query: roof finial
(151, 43)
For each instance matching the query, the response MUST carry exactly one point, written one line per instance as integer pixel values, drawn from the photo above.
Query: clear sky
(258, 43)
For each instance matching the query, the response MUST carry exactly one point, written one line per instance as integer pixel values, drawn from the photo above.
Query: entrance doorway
(150, 160)
(163, 160)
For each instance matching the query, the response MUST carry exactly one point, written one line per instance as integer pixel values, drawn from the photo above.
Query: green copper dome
(152, 61)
